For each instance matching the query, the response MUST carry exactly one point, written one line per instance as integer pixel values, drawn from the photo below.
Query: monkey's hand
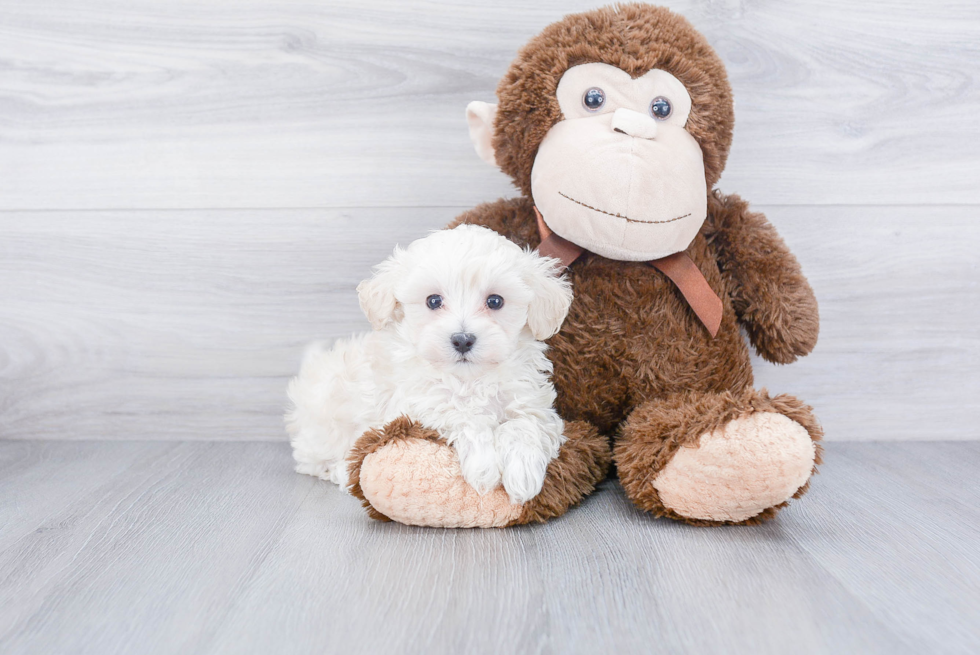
(771, 297)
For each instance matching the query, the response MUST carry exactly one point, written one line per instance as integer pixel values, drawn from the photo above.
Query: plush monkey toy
(615, 125)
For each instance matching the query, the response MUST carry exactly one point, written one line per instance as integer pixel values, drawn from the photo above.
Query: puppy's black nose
(463, 342)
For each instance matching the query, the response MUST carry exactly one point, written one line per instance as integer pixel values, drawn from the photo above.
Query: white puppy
(459, 317)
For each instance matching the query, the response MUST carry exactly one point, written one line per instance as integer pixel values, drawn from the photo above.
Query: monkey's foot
(407, 473)
(713, 459)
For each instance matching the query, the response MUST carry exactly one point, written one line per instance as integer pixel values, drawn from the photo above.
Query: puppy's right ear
(377, 293)
(479, 118)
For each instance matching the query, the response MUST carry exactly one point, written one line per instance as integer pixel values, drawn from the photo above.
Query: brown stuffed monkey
(615, 125)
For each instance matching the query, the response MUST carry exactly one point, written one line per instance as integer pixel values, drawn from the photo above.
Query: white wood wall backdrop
(327, 103)
(186, 324)
(189, 192)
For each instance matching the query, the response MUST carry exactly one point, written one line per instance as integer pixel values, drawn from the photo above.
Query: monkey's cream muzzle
(621, 196)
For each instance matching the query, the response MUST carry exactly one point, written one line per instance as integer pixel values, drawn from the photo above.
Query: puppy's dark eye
(494, 301)
(660, 108)
(594, 98)
(434, 301)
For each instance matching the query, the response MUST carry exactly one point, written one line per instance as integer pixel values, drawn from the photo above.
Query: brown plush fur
(770, 296)
(582, 463)
(632, 357)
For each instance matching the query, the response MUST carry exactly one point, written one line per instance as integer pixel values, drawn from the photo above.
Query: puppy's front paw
(478, 463)
(524, 471)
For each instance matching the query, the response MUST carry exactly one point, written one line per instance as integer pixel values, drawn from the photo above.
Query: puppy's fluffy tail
(328, 408)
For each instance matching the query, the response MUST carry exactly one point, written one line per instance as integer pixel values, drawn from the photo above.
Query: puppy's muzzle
(463, 342)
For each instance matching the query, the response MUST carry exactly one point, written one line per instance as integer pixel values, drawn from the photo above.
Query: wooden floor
(195, 547)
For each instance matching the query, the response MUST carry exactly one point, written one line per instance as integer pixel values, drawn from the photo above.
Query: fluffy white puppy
(458, 321)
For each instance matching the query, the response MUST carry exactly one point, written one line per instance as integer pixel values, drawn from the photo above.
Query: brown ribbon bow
(679, 267)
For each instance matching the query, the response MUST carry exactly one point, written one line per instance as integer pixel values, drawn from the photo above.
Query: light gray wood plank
(146, 104)
(219, 547)
(36, 478)
(912, 507)
(604, 579)
(187, 325)
(150, 559)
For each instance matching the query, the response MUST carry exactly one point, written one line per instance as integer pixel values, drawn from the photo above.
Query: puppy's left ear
(377, 293)
(552, 295)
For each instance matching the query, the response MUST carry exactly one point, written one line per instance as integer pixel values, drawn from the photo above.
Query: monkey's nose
(463, 342)
(634, 123)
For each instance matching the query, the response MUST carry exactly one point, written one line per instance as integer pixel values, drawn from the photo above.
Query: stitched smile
(625, 218)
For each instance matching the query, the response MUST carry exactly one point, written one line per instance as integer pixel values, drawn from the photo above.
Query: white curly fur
(493, 404)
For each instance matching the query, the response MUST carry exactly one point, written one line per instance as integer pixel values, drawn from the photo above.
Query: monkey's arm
(772, 298)
(513, 218)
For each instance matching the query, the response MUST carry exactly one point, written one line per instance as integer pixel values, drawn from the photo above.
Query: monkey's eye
(660, 108)
(434, 301)
(594, 99)
(494, 301)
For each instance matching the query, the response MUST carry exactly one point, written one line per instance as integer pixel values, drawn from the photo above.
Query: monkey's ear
(377, 294)
(479, 117)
